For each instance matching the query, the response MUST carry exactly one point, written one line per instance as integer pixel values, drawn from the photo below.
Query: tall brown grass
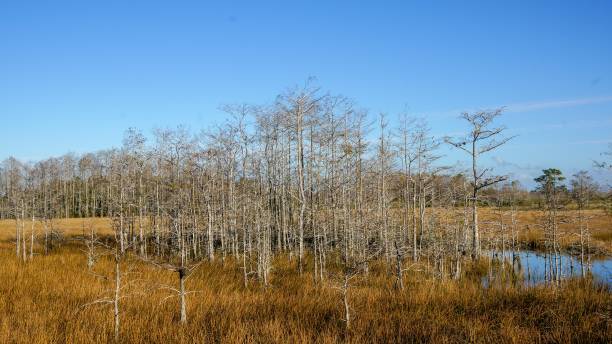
(41, 301)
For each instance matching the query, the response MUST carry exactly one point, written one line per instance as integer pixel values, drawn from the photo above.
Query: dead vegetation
(42, 302)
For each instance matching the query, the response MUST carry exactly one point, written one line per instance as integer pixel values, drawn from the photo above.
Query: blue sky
(74, 75)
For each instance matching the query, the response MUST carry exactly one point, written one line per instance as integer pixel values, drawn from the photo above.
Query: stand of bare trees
(301, 177)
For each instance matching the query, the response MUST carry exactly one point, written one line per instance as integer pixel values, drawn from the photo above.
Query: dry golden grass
(42, 303)
(531, 233)
(42, 299)
(69, 227)
(529, 226)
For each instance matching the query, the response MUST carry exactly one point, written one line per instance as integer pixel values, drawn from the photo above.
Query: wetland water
(532, 267)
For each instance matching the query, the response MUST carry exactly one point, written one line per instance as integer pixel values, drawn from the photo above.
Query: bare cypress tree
(405, 147)
(134, 146)
(482, 138)
(118, 253)
(551, 187)
(425, 147)
(583, 189)
(606, 163)
(384, 161)
(351, 267)
(299, 105)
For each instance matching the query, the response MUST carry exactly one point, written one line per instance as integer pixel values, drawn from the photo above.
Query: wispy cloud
(523, 173)
(500, 162)
(524, 107)
(580, 124)
(591, 142)
(555, 104)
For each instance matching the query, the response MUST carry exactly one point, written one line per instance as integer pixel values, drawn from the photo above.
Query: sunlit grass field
(43, 301)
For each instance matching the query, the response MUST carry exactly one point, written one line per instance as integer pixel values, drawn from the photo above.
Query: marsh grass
(42, 302)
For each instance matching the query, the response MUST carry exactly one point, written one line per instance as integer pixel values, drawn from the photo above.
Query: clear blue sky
(74, 75)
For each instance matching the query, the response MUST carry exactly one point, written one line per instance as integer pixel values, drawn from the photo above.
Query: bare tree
(583, 189)
(482, 138)
(121, 287)
(550, 185)
(299, 105)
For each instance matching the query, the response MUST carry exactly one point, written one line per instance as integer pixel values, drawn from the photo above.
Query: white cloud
(591, 142)
(524, 107)
(554, 104)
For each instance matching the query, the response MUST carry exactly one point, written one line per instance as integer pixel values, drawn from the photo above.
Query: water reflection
(532, 268)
